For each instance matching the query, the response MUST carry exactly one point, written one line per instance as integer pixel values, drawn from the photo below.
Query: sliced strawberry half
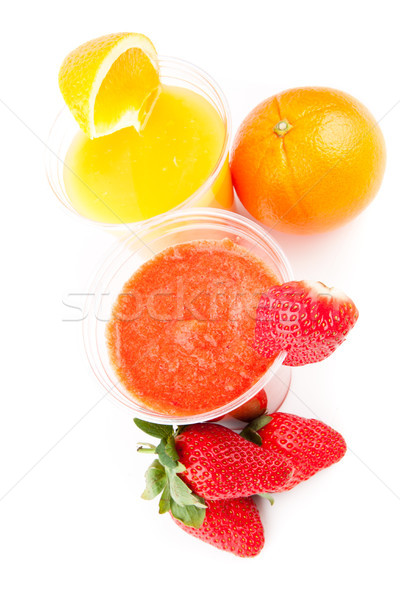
(307, 319)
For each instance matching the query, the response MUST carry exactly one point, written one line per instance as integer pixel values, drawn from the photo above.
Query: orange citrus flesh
(110, 82)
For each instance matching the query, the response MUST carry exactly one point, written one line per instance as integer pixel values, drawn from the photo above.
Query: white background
(74, 526)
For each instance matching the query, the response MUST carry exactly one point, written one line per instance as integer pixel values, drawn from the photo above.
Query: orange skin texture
(319, 174)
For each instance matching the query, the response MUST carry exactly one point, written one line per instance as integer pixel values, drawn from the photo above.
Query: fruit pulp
(182, 330)
(129, 176)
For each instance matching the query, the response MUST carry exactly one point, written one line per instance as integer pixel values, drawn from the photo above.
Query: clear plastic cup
(162, 232)
(216, 191)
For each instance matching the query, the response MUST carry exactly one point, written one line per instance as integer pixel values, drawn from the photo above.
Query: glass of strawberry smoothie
(171, 317)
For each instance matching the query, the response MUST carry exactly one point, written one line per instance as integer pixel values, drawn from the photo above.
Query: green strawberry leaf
(164, 451)
(268, 496)
(260, 422)
(189, 515)
(165, 501)
(170, 449)
(154, 429)
(182, 494)
(156, 480)
(162, 477)
(251, 436)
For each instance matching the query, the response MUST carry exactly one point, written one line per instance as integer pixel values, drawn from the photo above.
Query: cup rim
(90, 333)
(52, 159)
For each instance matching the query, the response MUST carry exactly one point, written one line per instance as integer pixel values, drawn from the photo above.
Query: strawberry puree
(182, 331)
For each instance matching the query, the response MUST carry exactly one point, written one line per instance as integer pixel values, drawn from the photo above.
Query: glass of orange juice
(178, 160)
(188, 367)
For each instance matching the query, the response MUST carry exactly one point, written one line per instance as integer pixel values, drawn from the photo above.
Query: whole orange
(307, 160)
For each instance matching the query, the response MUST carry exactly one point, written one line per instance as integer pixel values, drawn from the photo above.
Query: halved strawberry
(307, 319)
(231, 525)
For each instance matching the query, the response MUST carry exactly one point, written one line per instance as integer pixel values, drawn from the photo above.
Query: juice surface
(129, 176)
(182, 330)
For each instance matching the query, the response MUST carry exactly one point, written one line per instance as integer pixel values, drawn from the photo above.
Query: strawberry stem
(145, 448)
(250, 432)
(268, 497)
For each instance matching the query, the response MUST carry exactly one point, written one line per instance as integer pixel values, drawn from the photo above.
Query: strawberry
(220, 464)
(250, 410)
(207, 462)
(306, 319)
(253, 408)
(308, 444)
(231, 525)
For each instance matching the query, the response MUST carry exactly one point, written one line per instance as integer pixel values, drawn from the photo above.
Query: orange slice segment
(111, 82)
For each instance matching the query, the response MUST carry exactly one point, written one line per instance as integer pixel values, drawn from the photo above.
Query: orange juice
(129, 176)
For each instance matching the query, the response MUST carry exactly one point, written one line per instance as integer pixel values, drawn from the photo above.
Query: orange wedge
(111, 82)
